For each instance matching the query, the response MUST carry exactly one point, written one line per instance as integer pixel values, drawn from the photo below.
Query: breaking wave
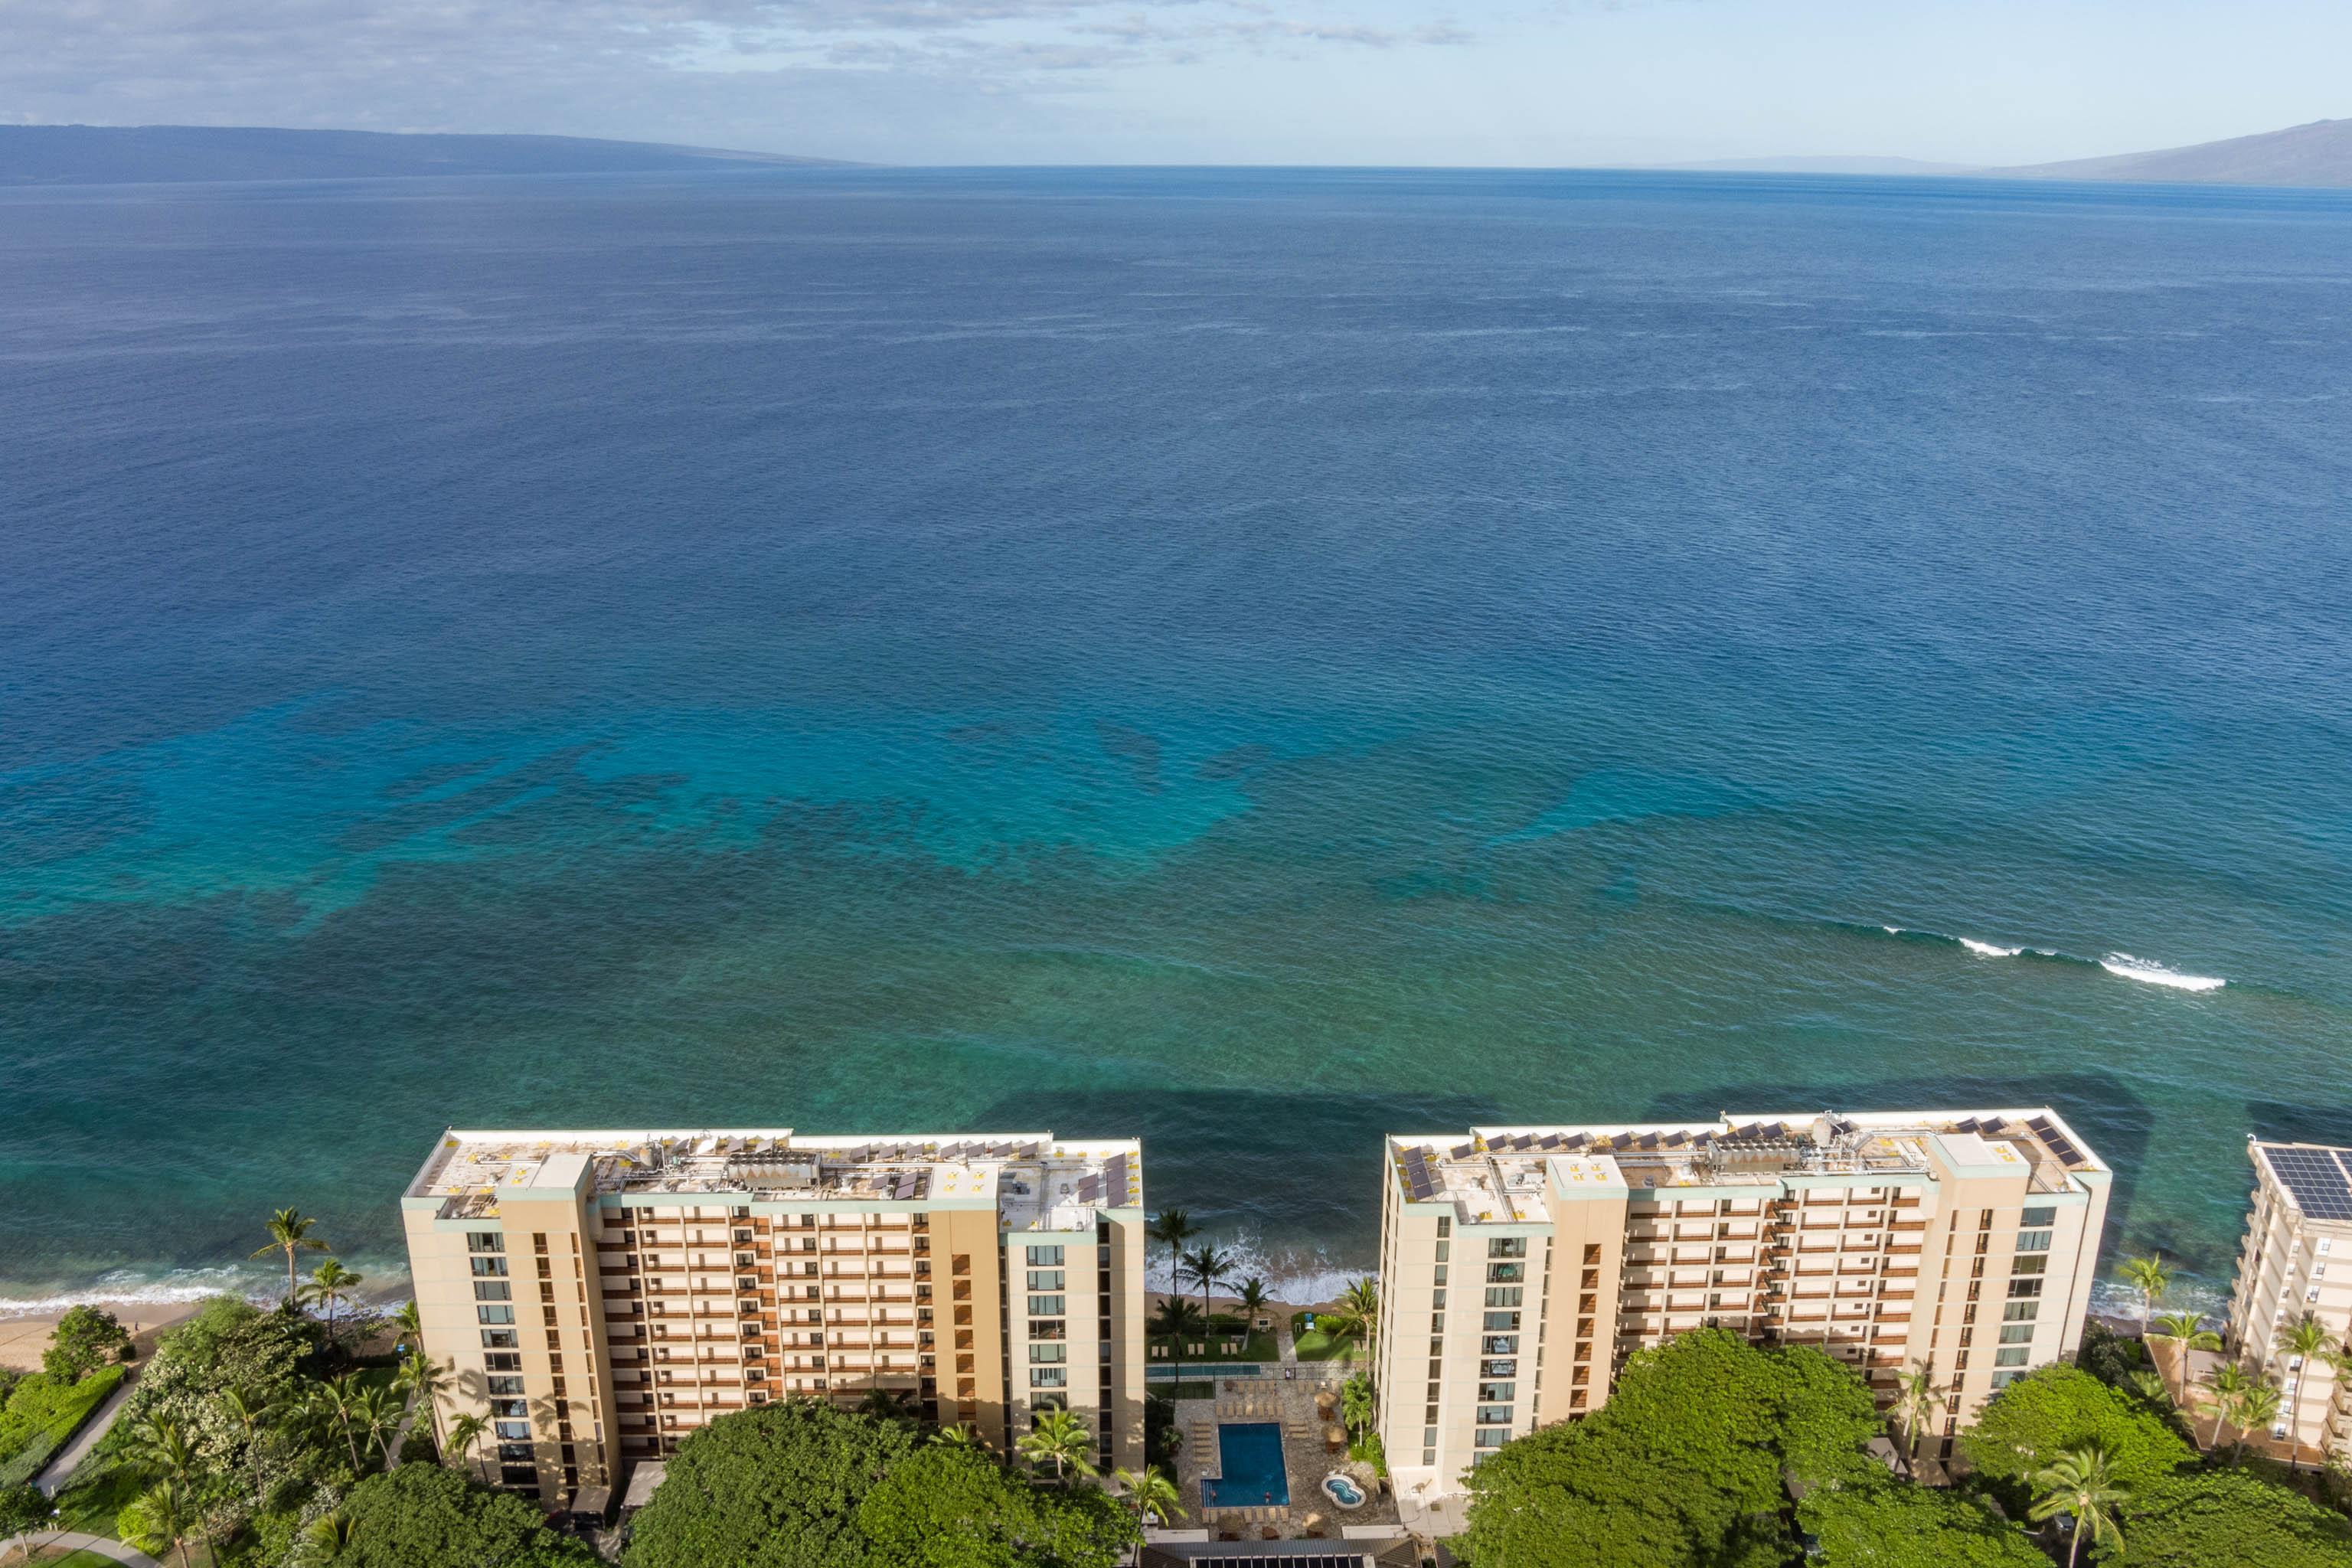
(2117, 963)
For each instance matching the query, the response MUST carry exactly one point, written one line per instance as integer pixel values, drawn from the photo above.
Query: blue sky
(1542, 82)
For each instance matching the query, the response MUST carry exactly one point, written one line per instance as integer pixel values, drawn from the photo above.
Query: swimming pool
(1250, 1456)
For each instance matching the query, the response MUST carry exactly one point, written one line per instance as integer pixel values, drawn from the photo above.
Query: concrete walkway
(53, 1478)
(73, 1540)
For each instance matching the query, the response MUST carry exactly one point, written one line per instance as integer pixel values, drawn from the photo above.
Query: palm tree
(465, 1433)
(1359, 1315)
(2257, 1408)
(1209, 1266)
(326, 1536)
(160, 1519)
(1061, 1438)
(889, 1404)
(2079, 1484)
(159, 1446)
(956, 1437)
(337, 1401)
(2185, 1332)
(1173, 1227)
(408, 1329)
(289, 1233)
(1177, 1318)
(1152, 1493)
(2151, 1278)
(377, 1410)
(2229, 1382)
(2307, 1342)
(1253, 1298)
(1916, 1398)
(329, 1283)
(430, 1382)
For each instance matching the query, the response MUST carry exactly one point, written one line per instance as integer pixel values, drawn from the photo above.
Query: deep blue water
(1252, 659)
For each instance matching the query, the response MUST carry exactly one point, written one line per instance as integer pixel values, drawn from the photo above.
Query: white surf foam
(125, 1288)
(1298, 1277)
(1986, 949)
(2131, 968)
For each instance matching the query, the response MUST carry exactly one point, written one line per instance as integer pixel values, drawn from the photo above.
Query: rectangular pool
(1250, 1456)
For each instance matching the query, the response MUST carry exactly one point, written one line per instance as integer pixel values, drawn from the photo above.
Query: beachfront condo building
(2300, 1224)
(599, 1296)
(1520, 1266)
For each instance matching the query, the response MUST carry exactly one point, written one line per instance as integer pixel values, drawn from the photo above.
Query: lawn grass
(42, 1414)
(1314, 1344)
(102, 1489)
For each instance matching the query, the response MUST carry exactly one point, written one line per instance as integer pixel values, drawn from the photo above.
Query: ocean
(1251, 659)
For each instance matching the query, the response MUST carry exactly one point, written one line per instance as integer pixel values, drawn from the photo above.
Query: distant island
(2319, 154)
(132, 154)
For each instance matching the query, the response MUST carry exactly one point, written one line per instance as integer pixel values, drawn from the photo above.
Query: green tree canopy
(2029, 1424)
(2207, 1517)
(423, 1516)
(1894, 1525)
(84, 1339)
(228, 1347)
(1684, 1463)
(778, 1487)
(951, 1506)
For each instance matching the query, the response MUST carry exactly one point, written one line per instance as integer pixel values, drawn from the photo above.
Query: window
(494, 1314)
(1493, 1436)
(1444, 1229)
(1503, 1322)
(510, 1408)
(513, 1453)
(2038, 1215)
(1048, 1329)
(1493, 1416)
(1045, 1279)
(512, 1431)
(1048, 1376)
(498, 1361)
(1499, 1345)
(493, 1290)
(1506, 1294)
(1044, 1258)
(1048, 1355)
(489, 1267)
(1508, 1247)
(1504, 1273)
(499, 1339)
(1495, 1393)
(2016, 1333)
(2021, 1312)
(485, 1241)
(506, 1385)
(1045, 1305)
(1499, 1369)
(2001, 1380)
(2015, 1355)
(2032, 1241)
(2021, 1288)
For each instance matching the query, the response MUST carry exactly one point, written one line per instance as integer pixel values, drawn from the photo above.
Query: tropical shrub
(1685, 1464)
(43, 1412)
(422, 1516)
(2033, 1420)
(1893, 1524)
(84, 1339)
(2201, 1518)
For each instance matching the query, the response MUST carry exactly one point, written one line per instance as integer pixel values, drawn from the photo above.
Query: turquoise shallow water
(1249, 659)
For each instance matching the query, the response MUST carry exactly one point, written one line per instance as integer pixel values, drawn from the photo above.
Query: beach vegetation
(2199, 1519)
(84, 1339)
(424, 1515)
(1894, 1525)
(42, 1414)
(801, 1484)
(2079, 1488)
(2062, 1409)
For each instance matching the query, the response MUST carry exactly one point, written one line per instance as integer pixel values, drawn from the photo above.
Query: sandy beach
(22, 1339)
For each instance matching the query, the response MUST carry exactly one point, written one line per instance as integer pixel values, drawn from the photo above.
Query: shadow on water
(1297, 1169)
(2277, 1123)
(1303, 1169)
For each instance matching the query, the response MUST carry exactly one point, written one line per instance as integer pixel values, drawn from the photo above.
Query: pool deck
(1288, 1402)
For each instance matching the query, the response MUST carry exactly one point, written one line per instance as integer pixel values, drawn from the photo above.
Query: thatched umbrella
(1324, 1401)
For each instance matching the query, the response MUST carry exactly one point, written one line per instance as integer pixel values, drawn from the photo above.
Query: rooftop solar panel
(2315, 1179)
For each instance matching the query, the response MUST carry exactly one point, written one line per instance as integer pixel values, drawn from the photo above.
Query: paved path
(72, 1540)
(52, 1481)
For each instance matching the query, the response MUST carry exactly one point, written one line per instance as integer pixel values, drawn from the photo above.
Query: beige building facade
(1520, 1266)
(598, 1296)
(2296, 1263)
